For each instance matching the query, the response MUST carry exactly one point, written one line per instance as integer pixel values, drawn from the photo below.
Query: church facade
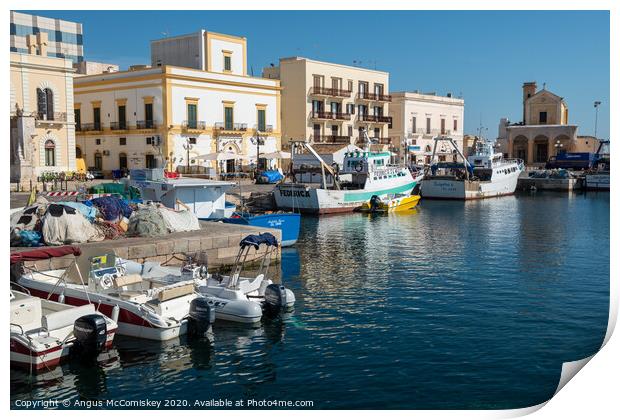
(544, 130)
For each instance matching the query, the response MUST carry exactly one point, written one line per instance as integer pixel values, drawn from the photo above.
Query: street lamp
(596, 105)
(188, 146)
(558, 147)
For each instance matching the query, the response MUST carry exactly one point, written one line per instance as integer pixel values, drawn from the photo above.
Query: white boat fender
(116, 310)
(61, 298)
(201, 316)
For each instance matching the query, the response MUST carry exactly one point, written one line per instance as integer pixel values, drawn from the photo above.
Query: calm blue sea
(454, 306)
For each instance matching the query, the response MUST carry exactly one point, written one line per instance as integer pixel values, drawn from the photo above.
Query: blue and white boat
(288, 222)
(368, 174)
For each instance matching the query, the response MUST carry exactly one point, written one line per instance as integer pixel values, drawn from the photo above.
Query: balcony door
(316, 132)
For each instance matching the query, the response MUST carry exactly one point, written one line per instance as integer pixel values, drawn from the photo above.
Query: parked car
(95, 173)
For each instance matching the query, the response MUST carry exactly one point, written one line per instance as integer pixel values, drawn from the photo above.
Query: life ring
(358, 167)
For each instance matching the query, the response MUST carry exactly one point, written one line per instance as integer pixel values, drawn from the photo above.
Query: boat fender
(201, 316)
(116, 310)
(90, 333)
(61, 298)
(275, 296)
(202, 272)
(374, 202)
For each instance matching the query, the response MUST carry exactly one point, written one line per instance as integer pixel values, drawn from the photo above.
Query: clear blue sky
(484, 56)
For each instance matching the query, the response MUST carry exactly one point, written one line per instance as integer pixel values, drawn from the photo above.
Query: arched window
(45, 103)
(50, 153)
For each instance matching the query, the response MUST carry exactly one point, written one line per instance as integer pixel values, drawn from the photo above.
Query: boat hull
(288, 223)
(300, 197)
(25, 357)
(446, 188)
(598, 182)
(130, 322)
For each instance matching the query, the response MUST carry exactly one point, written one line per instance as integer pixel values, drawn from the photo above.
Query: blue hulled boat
(287, 222)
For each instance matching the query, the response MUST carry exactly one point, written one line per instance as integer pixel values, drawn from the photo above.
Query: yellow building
(544, 130)
(171, 116)
(327, 102)
(41, 113)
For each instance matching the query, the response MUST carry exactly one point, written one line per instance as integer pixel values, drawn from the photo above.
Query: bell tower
(529, 89)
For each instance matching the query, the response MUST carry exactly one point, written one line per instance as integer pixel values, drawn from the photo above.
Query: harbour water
(454, 306)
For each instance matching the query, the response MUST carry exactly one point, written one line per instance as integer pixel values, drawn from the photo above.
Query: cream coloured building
(41, 113)
(327, 102)
(417, 118)
(168, 116)
(544, 130)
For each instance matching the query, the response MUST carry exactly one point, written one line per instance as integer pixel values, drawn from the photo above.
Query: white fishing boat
(484, 174)
(142, 308)
(599, 177)
(370, 174)
(44, 333)
(234, 298)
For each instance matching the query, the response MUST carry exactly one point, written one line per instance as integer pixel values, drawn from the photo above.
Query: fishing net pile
(107, 217)
(153, 219)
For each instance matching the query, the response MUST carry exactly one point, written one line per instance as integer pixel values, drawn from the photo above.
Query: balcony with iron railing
(232, 127)
(378, 97)
(381, 119)
(263, 128)
(325, 91)
(193, 125)
(328, 115)
(330, 139)
(146, 125)
(51, 117)
(118, 125)
(89, 127)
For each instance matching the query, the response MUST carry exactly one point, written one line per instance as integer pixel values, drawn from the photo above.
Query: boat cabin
(365, 166)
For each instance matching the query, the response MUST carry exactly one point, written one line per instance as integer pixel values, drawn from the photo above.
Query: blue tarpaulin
(88, 211)
(271, 177)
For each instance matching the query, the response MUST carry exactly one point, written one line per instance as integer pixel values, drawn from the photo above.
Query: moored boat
(45, 333)
(370, 174)
(288, 222)
(484, 174)
(141, 307)
(392, 203)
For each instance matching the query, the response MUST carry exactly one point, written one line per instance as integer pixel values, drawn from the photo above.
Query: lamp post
(188, 146)
(596, 105)
(558, 147)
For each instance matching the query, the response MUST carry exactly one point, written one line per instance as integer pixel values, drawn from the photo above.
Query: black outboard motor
(201, 316)
(90, 333)
(275, 297)
(374, 202)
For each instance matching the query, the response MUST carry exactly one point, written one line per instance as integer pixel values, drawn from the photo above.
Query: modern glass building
(64, 38)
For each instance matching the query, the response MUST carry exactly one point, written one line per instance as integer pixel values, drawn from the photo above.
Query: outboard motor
(278, 297)
(201, 316)
(374, 202)
(90, 333)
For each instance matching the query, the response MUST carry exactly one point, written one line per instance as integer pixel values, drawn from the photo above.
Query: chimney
(42, 41)
(529, 89)
(31, 43)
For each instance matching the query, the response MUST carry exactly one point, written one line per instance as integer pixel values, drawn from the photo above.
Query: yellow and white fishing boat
(391, 203)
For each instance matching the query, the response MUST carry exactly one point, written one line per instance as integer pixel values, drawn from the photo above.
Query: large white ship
(482, 175)
(370, 174)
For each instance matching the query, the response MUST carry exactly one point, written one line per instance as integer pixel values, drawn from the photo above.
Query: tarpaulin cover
(271, 177)
(65, 225)
(112, 208)
(179, 221)
(87, 211)
(45, 253)
(255, 240)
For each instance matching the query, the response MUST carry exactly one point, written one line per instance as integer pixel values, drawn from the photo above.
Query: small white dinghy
(258, 290)
(44, 333)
